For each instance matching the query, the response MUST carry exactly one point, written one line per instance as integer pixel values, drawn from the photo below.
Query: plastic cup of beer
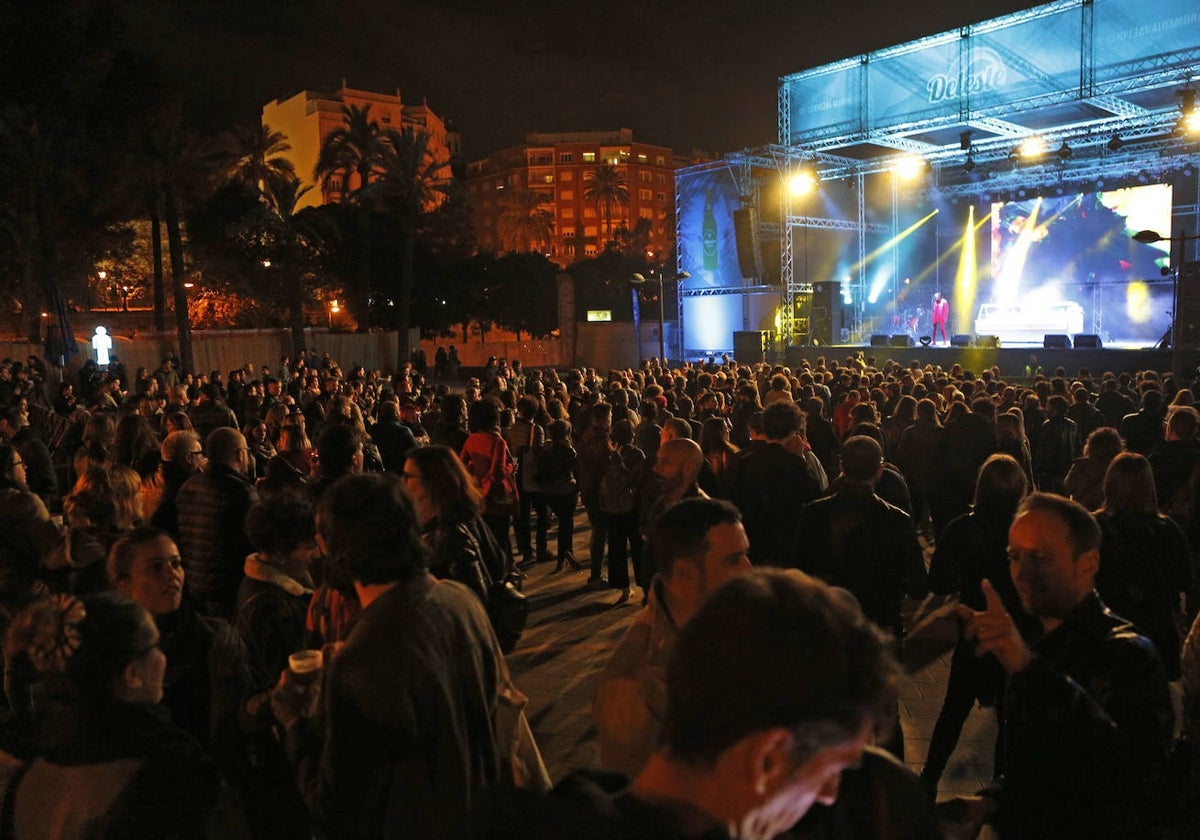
(306, 666)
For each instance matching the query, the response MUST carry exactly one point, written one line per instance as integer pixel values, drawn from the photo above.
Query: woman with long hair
(489, 462)
(1085, 480)
(1145, 565)
(718, 450)
(448, 502)
(974, 548)
(136, 445)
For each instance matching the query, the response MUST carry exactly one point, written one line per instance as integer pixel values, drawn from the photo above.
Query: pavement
(572, 632)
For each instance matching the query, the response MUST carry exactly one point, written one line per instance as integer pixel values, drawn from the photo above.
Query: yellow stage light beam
(1008, 282)
(965, 279)
(802, 183)
(887, 246)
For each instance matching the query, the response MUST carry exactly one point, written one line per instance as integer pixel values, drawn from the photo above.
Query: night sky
(691, 75)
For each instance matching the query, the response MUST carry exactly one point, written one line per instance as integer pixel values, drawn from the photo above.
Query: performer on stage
(941, 316)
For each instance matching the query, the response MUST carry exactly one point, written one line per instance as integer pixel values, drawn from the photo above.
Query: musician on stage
(941, 316)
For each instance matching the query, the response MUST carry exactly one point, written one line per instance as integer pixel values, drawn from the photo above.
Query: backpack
(617, 491)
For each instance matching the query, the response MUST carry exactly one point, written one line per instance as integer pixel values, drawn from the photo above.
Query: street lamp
(1149, 237)
(638, 280)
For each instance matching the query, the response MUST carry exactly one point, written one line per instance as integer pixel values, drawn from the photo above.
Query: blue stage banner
(1039, 57)
(1128, 32)
(827, 103)
(919, 84)
(707, 243)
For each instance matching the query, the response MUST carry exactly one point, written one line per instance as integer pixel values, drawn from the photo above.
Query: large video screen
(1069, 264)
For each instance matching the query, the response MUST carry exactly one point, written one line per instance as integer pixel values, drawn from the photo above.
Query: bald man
(678, 468)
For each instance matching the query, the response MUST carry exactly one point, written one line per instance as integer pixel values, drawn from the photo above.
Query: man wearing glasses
(182, 457)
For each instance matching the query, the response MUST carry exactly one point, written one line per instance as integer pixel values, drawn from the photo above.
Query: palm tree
(283, 193)
(354, 148)
(253, 153)
(607, 188)
(408, 183)
(179, 168)
(525, 223)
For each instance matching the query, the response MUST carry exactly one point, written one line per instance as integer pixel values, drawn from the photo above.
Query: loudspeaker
(745, 231)
(987, 341)
(878, 340)
(752, 346)
(1086, 341)
(826, 306)
(1056, 342)
(901, 341)
(960, 340)
(1187, 314)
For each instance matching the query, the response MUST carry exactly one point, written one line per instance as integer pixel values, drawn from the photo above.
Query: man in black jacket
(212, 508)
(1089, 712)
(770, 486)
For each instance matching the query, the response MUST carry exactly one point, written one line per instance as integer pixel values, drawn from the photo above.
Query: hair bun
(55, 633)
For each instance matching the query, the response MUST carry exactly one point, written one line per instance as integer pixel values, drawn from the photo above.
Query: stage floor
(1011, 359)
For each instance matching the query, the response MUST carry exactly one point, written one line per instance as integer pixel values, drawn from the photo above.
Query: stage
(1010, 360)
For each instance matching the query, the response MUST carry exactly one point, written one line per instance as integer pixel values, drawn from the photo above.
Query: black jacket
(1089, 723)
(212, 509)
(770, 486)
(856, 540)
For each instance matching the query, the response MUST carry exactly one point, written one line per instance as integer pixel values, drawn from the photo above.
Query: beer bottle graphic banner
(707, 243)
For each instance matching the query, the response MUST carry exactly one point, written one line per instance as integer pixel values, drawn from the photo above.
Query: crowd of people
(278, 602)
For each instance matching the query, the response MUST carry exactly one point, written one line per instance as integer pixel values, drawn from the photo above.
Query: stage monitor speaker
(1086, 341)
(878, 340)
(745, 231)
(987, 341)
(901, 341)
(826, 306)
(752, 346)
(960, 340)
(1056, 342)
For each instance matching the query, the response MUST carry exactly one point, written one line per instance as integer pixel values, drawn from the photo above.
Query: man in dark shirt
(1173, 461)
(1088, 709)
(770, 486)
(1143, 430)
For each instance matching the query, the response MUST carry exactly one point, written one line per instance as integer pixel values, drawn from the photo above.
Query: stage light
(803, 182)
(907, 167)
(969, 164)
(1031, 147)
(1115, 144)
(964, 140)
(1191, 117)
(1064, 151)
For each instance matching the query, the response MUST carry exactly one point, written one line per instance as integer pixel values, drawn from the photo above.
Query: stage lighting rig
(1189, 122)
(1115, 144)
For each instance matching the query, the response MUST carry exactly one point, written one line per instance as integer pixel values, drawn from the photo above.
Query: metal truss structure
(1111, 125)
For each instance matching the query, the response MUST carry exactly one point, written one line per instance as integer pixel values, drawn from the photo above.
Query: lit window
(566, 195)
(589, 212)
(641, 157)
(590, 230)
(567, 212)
(662, 179)
(660, 161)
(644, 177)
(569, 233)
(565, 157)
(589, 157)
(567, 175)
(589, 250)
(644, 195)
(645, 213)
(569, 250)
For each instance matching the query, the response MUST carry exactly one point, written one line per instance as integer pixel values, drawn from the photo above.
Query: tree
(353, 149)
(407, 186)
(253, 154)
(607, 188)
(525, 223)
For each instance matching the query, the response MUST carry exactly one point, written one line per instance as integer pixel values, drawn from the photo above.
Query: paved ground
(572, 632)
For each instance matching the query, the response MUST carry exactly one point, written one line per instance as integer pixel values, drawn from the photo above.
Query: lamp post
(638, 280)
(1149, 237)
